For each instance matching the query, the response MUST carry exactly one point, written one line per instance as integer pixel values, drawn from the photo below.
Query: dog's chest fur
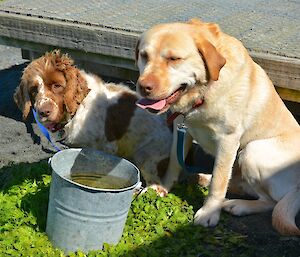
(206, 127)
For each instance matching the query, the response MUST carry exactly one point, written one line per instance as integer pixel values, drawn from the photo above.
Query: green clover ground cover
(155, 226)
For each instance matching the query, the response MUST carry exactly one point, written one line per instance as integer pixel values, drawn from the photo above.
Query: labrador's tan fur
(243, 122)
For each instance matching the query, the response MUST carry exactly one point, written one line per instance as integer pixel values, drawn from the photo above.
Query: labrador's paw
(209, 214)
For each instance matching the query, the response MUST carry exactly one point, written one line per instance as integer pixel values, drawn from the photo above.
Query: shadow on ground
(10, 79)
(255, 231)
(244, 236)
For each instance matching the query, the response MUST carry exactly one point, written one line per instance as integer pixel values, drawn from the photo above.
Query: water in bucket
(83, 216)
(104, 181)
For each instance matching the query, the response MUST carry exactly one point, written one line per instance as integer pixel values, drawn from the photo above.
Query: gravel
(19, 142)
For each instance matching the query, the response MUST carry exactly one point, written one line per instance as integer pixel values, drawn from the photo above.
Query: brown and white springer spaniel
(94, 114)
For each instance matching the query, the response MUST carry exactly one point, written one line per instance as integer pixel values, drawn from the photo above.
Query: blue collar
(44, 130)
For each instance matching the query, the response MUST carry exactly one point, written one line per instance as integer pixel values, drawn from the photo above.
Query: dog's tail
(285, 211)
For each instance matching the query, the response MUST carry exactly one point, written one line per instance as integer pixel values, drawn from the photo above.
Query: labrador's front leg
(209, 213)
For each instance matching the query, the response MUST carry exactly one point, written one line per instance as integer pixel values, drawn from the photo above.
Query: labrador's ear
(22, 100)
(213, 59)
(137, 51)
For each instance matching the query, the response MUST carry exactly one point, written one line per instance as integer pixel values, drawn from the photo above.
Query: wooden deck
(101, 35)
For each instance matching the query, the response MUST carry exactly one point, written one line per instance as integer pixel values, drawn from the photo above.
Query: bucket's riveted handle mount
(139, 186)
(49, 161)
(138, 189)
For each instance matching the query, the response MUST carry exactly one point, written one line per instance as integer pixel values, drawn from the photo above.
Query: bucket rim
(137, 184)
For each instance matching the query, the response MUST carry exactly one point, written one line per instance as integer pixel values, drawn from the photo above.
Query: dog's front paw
(160, 190)
(234, 207)
(209, 214)
(239, 207)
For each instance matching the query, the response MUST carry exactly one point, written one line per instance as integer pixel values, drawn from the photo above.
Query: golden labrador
(242, 121)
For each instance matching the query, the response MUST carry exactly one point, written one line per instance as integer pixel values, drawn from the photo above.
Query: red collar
(174, 115)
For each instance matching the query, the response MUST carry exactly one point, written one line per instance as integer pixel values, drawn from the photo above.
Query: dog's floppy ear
(21, 98)
(76, 89)
(60, 61)
(76, 86)
(213, 59)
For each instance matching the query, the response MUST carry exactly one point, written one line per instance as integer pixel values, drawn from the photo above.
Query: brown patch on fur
(76, 89)
(162, 167)
(118, 116)
(76, 86)
(62, 83)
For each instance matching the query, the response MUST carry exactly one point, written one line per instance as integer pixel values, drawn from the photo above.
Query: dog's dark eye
(173, 58)
(57, 88)
(144, 56)
(33, 91)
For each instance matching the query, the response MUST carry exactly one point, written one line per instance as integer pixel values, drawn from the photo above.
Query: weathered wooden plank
(98, 64)
(85, 38)
(283, 71)
(112, 47)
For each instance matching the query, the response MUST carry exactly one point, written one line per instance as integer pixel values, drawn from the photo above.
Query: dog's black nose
(44, 114)
(145, 91)
(45, 111)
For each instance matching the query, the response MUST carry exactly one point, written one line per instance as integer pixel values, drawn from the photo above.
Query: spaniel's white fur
(94, 114)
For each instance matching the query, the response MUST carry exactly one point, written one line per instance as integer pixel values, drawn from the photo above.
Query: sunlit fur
(243, 121)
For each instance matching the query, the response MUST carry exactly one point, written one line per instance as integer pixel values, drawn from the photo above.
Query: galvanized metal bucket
(82, 217)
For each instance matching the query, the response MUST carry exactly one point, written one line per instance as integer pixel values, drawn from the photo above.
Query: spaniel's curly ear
(21, 98)
(60, 61)
(76, 89)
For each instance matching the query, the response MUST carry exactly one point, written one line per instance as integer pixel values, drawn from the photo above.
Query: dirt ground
(21, 142)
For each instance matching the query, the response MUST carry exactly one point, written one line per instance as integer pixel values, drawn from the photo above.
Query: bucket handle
(138, 188)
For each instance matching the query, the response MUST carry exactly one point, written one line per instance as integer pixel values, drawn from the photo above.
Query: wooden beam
(289, 94)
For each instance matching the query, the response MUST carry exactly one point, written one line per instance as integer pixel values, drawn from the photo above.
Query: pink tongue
(145, 103)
